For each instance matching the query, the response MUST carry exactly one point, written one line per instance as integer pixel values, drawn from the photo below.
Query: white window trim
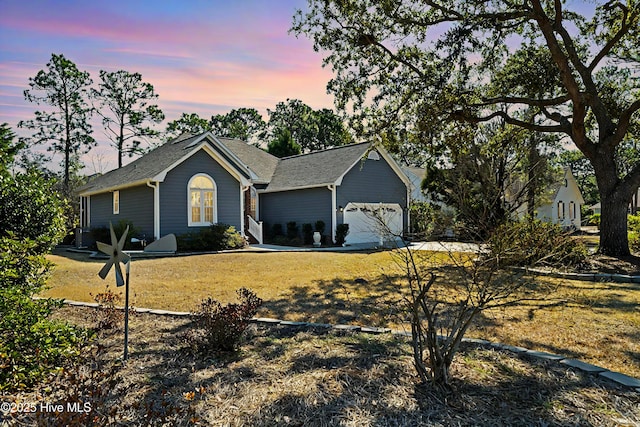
(561, 212)
(572, 210)
(116, 202)
(215, 203)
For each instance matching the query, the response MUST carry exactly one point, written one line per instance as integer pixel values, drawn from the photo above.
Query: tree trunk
(615, 195)
(532, 160)
(614, 198)
(614, 240)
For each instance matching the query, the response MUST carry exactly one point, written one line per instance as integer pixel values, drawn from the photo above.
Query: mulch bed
(629, 265)
(312, 377)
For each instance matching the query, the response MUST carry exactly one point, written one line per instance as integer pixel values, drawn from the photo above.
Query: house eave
(116, 187)
(204, 144)
(302, 187)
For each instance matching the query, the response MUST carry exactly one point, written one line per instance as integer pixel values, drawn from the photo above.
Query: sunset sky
(205, 57)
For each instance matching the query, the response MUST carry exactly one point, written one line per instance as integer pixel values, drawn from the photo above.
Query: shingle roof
(302, 171)
(316, 169)
(145, 168)
(259, 161)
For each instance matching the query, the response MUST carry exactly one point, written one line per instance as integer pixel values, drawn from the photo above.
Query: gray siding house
(197, 180)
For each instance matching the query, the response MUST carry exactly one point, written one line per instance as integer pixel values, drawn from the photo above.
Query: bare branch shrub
(443, 292)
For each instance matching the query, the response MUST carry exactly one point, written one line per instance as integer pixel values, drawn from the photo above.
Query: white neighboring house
(416, 175)
(564, 209)
(634, 205)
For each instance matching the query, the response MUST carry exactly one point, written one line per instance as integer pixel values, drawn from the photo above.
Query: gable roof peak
(183, 136)
(324, 150)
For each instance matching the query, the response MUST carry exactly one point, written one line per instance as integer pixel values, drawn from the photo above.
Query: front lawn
(594, 322)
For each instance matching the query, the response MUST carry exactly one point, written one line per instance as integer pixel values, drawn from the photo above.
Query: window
(572, 210)
(253, 202)
(116, 202)
(84, 212)
(560, 210)
(202, 201)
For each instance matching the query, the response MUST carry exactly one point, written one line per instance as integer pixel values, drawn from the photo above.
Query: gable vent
(373, 155)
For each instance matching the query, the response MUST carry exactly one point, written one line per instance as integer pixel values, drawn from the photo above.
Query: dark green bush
(292, 230)
(341, 233)
(103, 234)
(307, 234)
(277, 230)
(30, 208)
(634, 241)
(320, 226)
(31, 222)
(33, 346)
(217, 237)
(530, 243)
(219, 327)
(422, 216)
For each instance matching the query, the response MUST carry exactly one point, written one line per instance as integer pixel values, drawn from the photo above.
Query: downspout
(82, 224)
(156, 208)
(243, 219)
(334, 209)
(409, 210)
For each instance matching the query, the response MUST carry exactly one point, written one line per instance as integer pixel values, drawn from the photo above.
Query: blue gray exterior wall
(136, 205)
(373, 181)
(302, 206)
(173, 194)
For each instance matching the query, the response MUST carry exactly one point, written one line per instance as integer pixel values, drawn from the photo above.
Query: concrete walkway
(416, 246)
(446, 247)
(277, 248)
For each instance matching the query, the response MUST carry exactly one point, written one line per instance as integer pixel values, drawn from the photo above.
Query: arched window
(202, 201)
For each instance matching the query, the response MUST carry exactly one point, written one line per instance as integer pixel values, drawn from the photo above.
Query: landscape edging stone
(616, 377)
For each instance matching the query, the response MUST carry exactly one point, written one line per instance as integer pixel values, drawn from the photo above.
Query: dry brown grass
(180, 283)
(284, 376)
(598, 323)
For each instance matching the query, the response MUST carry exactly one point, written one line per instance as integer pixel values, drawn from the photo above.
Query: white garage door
(373, 222)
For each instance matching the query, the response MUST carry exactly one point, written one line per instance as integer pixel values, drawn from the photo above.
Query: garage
(373, 222)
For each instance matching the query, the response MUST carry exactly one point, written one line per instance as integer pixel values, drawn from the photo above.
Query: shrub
(423, 218)
(530, 242)
(219, 327)
(633, 223)
(307, 234)
(292, 230)
(32, 221)
(634, 241)
(443, 299)
(341, 233)
(30, 208)
(320, 226)
(103, 234)
(595, 220)
(32, 346)
(107, 316)
(217, 237)
(277, 230)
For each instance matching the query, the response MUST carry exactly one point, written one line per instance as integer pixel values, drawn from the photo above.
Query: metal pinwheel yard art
(116, 258)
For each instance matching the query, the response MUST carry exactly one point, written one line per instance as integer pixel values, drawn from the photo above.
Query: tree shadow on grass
(339, 301)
